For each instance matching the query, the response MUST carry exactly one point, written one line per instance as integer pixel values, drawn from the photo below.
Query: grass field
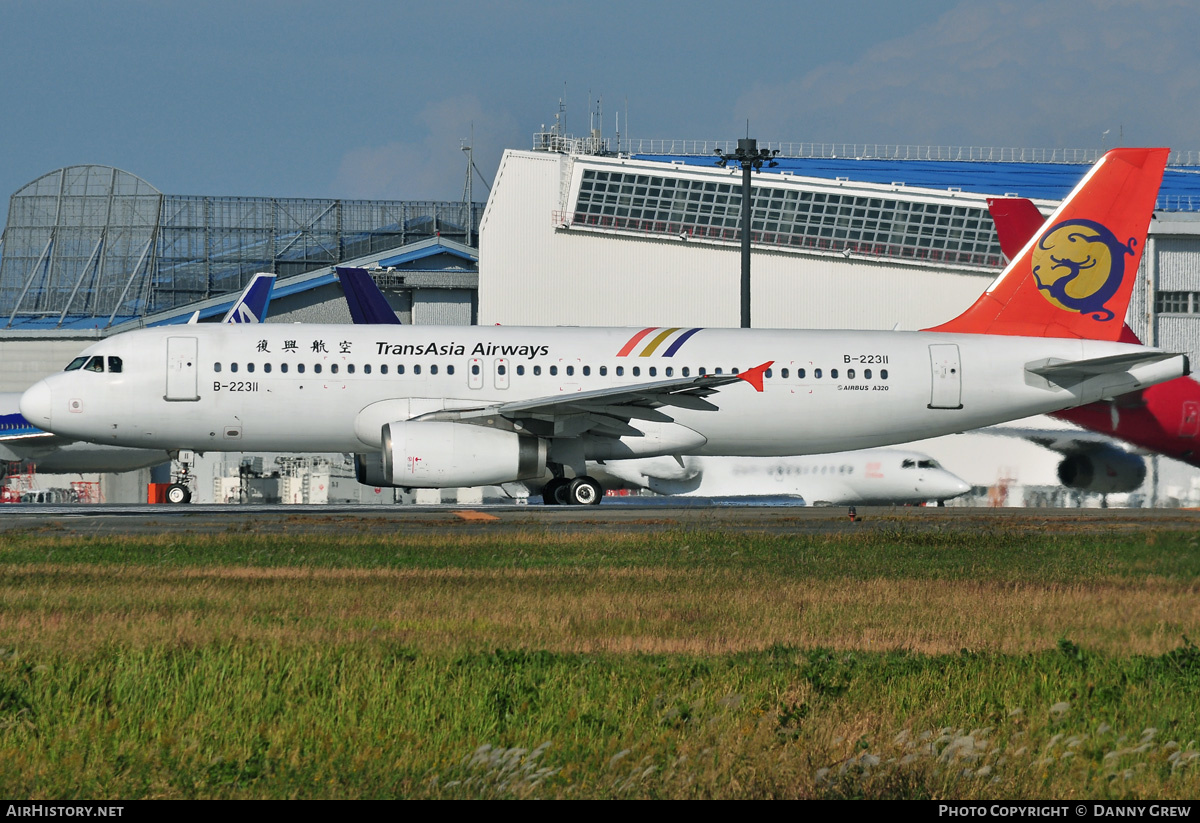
(689, 663)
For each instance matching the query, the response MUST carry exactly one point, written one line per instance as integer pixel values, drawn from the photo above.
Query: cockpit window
(77, 363)
(908, 464)
(114, 365)
(928, 464)
(95, 364)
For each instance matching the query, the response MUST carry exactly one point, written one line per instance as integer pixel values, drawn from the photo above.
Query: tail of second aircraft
(364, 299)
(251, 306)
(1074, 278)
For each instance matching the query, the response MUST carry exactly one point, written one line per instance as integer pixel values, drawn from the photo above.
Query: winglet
(1076, 278)
(754, 376)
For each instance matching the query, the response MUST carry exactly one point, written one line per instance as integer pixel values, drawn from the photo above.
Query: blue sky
(370, 99)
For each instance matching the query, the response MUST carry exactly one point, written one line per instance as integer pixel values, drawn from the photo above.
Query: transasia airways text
(452, 348)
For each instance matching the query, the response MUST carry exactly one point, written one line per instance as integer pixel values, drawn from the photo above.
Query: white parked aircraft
(866, 477)
(435, 407)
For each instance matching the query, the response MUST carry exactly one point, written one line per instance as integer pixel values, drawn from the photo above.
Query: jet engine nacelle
(1103, 471)
(368, 470)
(435, 455)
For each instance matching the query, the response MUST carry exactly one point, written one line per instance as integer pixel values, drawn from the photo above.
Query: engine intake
(1103, 471)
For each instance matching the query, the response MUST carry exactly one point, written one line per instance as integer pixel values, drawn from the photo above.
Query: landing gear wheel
(554, 493)
(584, 491)
(179, 493)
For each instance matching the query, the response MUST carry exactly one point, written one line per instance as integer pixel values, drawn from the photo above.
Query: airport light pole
(751, 158)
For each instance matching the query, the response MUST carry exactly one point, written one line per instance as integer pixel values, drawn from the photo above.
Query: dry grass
(652, 610)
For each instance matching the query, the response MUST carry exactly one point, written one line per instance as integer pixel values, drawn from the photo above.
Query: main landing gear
(572, 491)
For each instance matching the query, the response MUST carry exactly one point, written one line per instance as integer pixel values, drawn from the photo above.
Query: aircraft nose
(36, 405)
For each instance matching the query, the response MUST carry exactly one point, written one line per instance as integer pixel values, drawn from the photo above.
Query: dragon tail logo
(1079, 265)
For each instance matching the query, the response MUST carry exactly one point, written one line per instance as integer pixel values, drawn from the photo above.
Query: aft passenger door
(182, 369)
(946, 390)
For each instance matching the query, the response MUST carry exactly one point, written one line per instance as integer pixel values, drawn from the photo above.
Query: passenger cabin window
(520, 370)
(883, 374)
(249, 367)
(316, 368)
(417, 368)
(450, 370)
(114, 365)
(537, 370)
(283, 367)
(77, 363)
(382, 369)
(216, 367)
(554, 369)
(433, 369)
(333, 368)
(233, 366)
(267, 368)
(817, 373)
(783, 373)
(300, 368)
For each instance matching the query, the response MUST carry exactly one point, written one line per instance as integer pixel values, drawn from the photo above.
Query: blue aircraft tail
(366, 302)
(251, 307)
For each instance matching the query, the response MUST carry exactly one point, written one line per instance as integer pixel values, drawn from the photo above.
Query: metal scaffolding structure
(93, 246)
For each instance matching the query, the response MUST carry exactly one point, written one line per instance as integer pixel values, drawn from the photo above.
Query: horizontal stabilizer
(1073, 371)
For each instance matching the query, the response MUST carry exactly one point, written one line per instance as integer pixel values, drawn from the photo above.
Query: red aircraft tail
(1077, 278)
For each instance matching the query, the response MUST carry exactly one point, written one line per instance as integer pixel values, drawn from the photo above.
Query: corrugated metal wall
(532, 273)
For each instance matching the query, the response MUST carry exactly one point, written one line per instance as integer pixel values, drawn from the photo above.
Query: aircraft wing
(1063, 441)
(607, 412)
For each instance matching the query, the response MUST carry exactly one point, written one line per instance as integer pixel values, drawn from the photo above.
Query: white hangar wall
(537, 267)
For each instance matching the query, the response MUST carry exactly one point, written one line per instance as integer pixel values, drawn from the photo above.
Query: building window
(1177, 302)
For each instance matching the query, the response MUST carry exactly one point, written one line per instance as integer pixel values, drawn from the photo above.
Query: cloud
(1004, 74)
(430, 164)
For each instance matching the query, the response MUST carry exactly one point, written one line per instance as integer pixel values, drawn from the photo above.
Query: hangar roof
(1049, 181)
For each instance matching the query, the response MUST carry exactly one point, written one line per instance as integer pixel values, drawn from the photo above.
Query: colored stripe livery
(656, 342)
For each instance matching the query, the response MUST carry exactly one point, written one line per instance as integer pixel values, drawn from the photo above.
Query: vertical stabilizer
(366, 302)
(251, 306)
(1074, 278)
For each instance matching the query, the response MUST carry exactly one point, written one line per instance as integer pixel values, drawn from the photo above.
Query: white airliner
(866, 477)
(436, 407)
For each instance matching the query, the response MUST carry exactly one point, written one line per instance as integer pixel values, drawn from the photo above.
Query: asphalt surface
(85, 520)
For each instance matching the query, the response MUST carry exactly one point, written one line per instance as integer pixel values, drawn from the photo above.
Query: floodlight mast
(751, 158)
